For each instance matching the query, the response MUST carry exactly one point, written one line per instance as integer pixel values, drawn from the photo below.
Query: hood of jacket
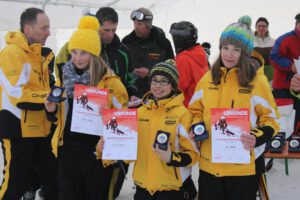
(18, 38)
(196, 53)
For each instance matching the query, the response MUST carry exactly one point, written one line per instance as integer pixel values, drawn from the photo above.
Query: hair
(107, 14)
(28, 16)
(246, 71)
(97, 68)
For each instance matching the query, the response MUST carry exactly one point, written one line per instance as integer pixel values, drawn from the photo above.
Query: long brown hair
(246, 71)
(97, 68)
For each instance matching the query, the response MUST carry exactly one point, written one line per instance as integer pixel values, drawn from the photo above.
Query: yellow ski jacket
(228, 94)
(24, 87)
(167, 115)
(117, 98)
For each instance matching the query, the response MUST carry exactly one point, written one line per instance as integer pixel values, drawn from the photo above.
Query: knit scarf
(71, 77)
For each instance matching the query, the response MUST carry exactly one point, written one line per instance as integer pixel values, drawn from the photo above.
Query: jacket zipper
(175, 173)
(232, 103)
(25, 117)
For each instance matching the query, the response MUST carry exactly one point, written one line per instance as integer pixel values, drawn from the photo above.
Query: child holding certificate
(235, 90)
(80, 174)
(164, 150)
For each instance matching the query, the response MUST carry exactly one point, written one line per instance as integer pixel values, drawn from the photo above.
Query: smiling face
(39, 31)
(80, 58)
(230, 55)
(160, 87)
(261, 29)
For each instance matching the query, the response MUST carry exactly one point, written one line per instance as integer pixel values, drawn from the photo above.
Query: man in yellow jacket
(24, 87)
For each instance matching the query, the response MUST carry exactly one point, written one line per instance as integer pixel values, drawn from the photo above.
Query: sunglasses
(136, 15)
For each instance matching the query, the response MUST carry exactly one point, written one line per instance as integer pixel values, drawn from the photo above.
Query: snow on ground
(280, 186)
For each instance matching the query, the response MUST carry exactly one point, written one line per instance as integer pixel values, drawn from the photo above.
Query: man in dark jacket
(147, 45)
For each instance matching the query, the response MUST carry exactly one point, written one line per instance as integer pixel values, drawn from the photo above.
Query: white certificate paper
(120, 134)
(227, 125)
(87, 106)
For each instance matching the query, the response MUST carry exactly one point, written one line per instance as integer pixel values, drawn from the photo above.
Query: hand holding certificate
(87, 107)
(228, 125)
(120, 134)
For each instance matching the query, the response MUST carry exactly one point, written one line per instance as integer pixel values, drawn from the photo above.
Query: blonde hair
(97, 69)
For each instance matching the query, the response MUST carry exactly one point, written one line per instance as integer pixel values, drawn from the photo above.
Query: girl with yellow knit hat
(80, 174)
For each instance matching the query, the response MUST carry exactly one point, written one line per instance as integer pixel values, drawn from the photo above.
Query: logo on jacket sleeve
(245, 91)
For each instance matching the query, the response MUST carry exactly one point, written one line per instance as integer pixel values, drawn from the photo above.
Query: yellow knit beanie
(87, 36)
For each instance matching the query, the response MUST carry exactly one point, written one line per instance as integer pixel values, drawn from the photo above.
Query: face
(141, 29)
(261, 28)
(298, 26)
(230, 55)
(80, 58)
(39, 31)
(108, 31)
(160, 86)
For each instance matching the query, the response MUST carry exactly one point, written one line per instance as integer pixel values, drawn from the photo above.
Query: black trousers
(21, 157)
(228, 187)
(81, 175)
(143, 194)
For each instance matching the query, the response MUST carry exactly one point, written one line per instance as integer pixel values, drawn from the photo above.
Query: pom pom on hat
(87, 36)
(239, 34)
(89, 22)
(245, 20)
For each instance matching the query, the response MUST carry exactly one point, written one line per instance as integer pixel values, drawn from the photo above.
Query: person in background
(282, 56)
(235, 81)
(191, 59)
(295, 85)
(24, 130)
(263, 44)
(147, 45)
(80, 174)
(206, 47)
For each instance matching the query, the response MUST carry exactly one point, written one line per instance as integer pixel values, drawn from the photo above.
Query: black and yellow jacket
(168, 115)
(24, 80)
(117, 98)
(229, 94)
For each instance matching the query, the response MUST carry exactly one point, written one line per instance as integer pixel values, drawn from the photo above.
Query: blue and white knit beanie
(239, 34)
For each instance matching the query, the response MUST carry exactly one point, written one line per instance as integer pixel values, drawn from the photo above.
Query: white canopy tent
(210, 17)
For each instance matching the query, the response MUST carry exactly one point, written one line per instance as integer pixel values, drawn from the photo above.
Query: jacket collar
(173, 101)
(18, 38)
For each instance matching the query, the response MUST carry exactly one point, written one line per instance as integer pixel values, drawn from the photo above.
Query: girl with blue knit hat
(80, 174)
(236, 81)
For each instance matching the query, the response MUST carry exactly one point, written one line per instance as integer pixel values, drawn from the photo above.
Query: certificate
(120, 134)
(87, 106)
(227, 125)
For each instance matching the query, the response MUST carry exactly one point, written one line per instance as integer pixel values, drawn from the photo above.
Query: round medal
(294, 143)
(199, 129)
(162, 138)
(56, 92)
(275, 144)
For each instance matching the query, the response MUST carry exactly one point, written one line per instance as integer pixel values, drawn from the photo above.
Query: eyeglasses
(136, 15)
(162, 82)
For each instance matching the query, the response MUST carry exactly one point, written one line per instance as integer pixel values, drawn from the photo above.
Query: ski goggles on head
(136, 15)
